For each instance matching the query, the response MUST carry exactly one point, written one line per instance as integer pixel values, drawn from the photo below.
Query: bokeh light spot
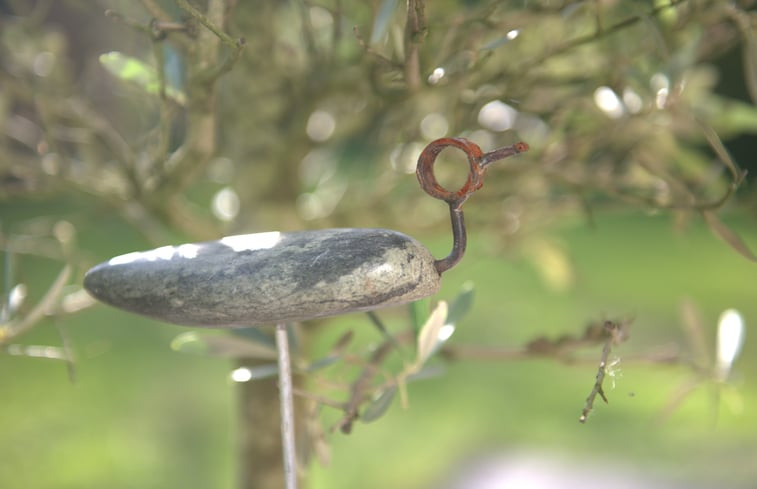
(225, 205)
(497, 116)
(320, 126)
(436, 76)
(43, 63)
(434, 126)
(608, 102)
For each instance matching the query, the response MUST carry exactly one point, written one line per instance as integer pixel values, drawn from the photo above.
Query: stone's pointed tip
(91, 280)
(294, 277)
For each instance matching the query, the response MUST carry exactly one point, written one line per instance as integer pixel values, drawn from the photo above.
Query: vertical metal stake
(287, 406)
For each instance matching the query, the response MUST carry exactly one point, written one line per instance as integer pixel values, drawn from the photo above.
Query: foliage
(188, 121)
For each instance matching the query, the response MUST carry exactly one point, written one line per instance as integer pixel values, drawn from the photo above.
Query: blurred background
(130, 125)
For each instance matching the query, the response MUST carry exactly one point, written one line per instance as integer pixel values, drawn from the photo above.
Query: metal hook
(478, 161)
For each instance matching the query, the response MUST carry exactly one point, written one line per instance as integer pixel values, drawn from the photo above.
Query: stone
(267, 278)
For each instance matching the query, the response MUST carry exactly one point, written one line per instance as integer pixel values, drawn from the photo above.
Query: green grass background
(139, 415)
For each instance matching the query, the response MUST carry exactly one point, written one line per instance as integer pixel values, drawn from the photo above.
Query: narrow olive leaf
(457, 311)
(693, 327)
(730, 341)
(728, 235)
(77, 300)
(13, 299)
(46, 305)
(379, 405)
(259, 372)
(750, 63)
(462, 304)
(128, 68)
(221, 345)
(720, 150)
(379, 325)
(429, 334)
(189, 342)
(37, 351)
(749, 50)
(571, 9)
(256, 335)
(322, 363)
(334, 355)
(419, 313)
(343, 342)
(138, 72)
(498, 42)
(382, 20)
(230, 346)
(733, 118)
(427, 372)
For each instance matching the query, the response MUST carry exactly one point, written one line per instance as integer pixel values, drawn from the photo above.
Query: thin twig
(156, 10)
(586, 39)
(369, 50)
(38, 351)
(322, 400)
(362, 386)
(204, 20)
(136, 25)
(599, 33)
(415, 32)
(308, 36)
(287, 406)
(46, 305)
(69, 354)
(562, 349)
(616, 333)
(200, 142)
(376, 321)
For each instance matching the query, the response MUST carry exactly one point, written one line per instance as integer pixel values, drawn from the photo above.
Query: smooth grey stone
(268, 278)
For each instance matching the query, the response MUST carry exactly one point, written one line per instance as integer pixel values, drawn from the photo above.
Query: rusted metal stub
(478, 162)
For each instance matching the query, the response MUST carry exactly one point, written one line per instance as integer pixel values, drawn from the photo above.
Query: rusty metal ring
(478, 162)
(425, 170)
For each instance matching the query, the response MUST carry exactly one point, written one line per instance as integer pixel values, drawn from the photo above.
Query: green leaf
(334, 355)
(259, 372)
(728, 235)
(733, 117)
(323, 363)
(427, 372)
(462, 304)
(382, 20)
(46, 305)
(713, 139)
(496, 43)
(749, 49)
(138, 72)
(256, 335)
(750, 63)
(222, 345)
(128, 68)
(189, 342)
(428, 337)
(419, 313)
(343, 342)
(379, 405)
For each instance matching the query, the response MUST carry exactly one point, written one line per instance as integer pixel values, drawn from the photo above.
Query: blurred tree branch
(308, 127)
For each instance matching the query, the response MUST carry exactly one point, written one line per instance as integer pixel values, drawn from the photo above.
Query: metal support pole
(287, 407)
